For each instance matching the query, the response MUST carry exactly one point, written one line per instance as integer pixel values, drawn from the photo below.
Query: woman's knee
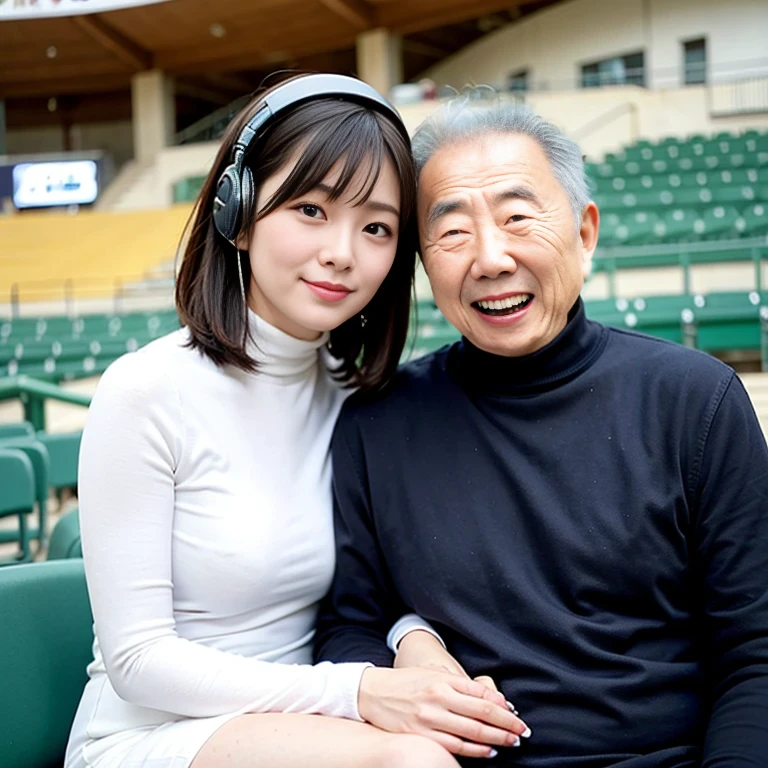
(406, 751)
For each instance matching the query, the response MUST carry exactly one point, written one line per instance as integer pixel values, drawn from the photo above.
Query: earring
(363, 320)
(242, 285)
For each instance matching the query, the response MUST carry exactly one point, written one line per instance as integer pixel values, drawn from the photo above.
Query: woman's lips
(329, 291)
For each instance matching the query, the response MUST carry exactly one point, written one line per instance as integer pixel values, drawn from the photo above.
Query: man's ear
(588, 232)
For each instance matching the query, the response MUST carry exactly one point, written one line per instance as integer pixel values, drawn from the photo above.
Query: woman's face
(316, 262)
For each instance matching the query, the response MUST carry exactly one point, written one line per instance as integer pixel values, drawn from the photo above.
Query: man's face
(503, 254)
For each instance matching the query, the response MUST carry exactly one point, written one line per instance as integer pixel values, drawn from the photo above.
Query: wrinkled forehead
(483, 166)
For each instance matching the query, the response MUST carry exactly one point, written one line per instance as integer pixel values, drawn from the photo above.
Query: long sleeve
(732, 554)
(362, 605)
(132, 445)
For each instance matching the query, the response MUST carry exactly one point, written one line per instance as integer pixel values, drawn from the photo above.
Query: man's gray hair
(465, 117)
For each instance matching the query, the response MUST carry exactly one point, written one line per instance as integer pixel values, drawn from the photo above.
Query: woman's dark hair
(321, 134)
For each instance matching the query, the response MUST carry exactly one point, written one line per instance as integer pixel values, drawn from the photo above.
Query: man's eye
(378, 230)
(518, 217)
(452, 232)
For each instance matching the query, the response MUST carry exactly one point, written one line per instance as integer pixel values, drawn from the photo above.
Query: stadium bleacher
(61, 348)
(684, 191)
(91, 250)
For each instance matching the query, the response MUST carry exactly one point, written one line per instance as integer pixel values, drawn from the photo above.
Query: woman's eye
(452, 232)
(518, 217)
(311, 211)
(378, 230)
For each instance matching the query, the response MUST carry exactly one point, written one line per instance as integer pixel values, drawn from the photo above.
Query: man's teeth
(508, 303)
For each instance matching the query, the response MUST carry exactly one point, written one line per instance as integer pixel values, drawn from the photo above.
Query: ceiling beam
(423, 49)
(230, 82)
(248, 57)
(357, 12)
(48, 86)
(195, 91)
(408, 18)
(121, 47)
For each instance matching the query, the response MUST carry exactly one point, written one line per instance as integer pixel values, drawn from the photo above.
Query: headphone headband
(233, 192)
(314, 86)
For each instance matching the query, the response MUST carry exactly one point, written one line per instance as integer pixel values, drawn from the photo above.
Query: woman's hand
(462, 715)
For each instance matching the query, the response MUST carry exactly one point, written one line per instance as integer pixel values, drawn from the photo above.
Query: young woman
(205, 493)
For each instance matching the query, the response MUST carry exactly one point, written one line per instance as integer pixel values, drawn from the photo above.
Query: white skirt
(166, 745)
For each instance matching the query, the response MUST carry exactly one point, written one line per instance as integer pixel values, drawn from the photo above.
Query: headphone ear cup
(227, 203)
(247, 193)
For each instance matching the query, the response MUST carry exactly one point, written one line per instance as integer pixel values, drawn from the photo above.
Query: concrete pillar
(380, 59)
(3, 143)
(153, 113)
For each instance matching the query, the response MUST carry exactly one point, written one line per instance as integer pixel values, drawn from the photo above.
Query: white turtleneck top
(206, 515)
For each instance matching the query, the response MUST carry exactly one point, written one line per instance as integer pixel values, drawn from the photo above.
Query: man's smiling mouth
(506, 306)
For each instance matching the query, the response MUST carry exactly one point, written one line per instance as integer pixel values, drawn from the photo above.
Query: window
(619, 70)
(695, 62)
(517, 82)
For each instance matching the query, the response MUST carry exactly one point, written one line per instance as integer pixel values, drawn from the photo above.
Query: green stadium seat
(37, 454)
(608, 311)
(609, 224)
(725, 321)
(64, 451)
(678, 225)
(45, 646)
(660, 316)
(17, 499)
(753, 220)
(737, 195)
(18, 429)
(65, 537)
(640, 228)
(720, 222)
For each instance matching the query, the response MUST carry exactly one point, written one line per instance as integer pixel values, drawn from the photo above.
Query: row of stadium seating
(671, 148)
(678, 165)
(683, 191)
(90, 252)
(682, 225)
(61, 348)
(673, 181)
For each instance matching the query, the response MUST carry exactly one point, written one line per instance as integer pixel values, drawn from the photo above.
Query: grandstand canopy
(216, 50)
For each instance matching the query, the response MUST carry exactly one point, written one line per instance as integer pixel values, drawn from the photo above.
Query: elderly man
(581, 513)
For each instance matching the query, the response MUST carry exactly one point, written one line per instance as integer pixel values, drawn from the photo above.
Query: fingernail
(517, 742)
(493, 753)
(526, 734)
(512, 708)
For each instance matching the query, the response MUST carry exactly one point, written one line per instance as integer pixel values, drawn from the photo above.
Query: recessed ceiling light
(52, 104)
(51, 51)
(217, 30)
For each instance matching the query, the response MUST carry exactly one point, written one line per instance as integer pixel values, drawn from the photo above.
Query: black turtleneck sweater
(588, 525)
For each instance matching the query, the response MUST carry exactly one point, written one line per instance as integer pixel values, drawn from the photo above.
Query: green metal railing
(683, 255)
(34, 393)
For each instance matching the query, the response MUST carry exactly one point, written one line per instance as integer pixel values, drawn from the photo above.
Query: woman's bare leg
(301, 741)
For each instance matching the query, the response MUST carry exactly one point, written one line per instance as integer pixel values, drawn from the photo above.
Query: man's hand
(422, 649)
(462, 715)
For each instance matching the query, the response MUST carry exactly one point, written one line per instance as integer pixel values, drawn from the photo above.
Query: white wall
(554, 43)
(637, 113)
(736, 34)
